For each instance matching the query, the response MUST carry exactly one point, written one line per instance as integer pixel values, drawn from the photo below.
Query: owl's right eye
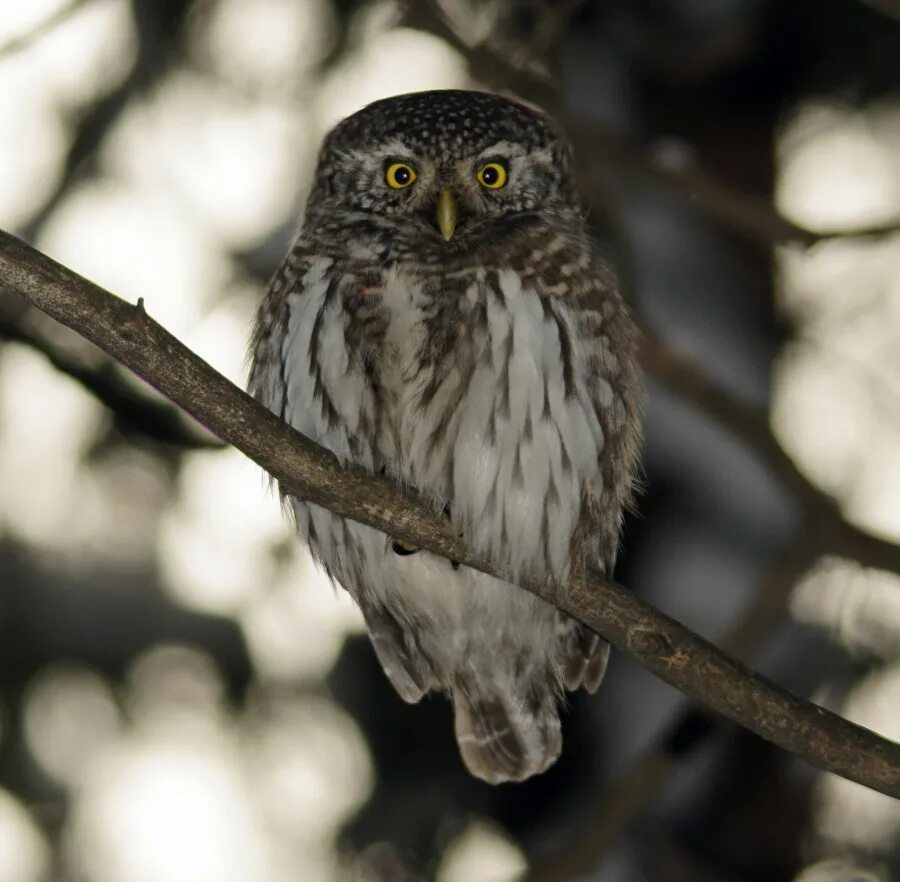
(399, 175)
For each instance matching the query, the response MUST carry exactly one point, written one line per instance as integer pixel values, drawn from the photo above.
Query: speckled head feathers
(443, 121)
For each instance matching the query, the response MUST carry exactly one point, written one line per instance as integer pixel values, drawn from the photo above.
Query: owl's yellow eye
(493, 176)
(399, 175)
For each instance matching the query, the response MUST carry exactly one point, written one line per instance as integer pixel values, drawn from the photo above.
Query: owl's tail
(504, 736)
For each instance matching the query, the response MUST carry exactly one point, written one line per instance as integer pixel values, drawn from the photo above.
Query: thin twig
(750, 216)
(836, 534)
(44, 26)
(305, 469)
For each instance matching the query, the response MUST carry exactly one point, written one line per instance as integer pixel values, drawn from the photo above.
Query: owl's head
(444, 162)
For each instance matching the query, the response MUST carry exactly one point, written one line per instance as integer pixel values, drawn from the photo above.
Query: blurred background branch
(41, 28)
(833, 534)
(138, 414)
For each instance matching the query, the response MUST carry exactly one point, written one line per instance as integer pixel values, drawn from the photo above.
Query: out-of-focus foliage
(183, 696)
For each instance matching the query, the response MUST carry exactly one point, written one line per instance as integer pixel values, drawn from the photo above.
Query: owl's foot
(403, 549)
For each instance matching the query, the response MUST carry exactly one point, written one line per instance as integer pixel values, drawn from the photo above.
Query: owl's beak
(447, 214)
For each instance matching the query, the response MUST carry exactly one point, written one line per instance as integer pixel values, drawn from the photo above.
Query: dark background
(175, 702)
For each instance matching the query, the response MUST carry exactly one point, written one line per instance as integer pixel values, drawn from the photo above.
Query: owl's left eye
(493, 175)
(399, 175)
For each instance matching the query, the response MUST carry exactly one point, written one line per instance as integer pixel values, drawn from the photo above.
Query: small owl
(445, 320)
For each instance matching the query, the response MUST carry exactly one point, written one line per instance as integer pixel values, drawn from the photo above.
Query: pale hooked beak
(447, 214)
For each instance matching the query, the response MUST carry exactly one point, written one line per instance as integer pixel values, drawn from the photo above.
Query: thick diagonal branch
(662, 645)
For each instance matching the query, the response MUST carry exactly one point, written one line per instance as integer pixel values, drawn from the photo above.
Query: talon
(404, 549)
(446, 512)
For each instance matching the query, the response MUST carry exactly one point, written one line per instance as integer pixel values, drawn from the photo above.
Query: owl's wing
(586, 653)
(616, 398)
(267, 380)
(401, 659)
(396, 648)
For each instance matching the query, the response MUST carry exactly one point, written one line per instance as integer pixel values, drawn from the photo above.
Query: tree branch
(661, 644)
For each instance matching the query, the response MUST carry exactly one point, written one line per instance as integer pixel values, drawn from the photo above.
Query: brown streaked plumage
(451, 325)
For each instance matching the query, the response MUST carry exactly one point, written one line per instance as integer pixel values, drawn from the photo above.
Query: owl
(444, 319)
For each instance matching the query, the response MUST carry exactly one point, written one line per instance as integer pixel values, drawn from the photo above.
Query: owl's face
(443, 165)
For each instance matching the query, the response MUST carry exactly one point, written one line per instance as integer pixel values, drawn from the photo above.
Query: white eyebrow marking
(501, 148)
(396, 147)
(363, 156)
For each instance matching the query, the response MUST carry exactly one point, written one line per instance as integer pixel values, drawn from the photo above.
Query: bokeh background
(184, 698)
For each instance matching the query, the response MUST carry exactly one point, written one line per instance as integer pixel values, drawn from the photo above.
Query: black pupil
(401, 175)
(490, 175)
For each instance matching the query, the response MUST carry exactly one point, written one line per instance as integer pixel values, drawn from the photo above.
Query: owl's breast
(487, 381)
